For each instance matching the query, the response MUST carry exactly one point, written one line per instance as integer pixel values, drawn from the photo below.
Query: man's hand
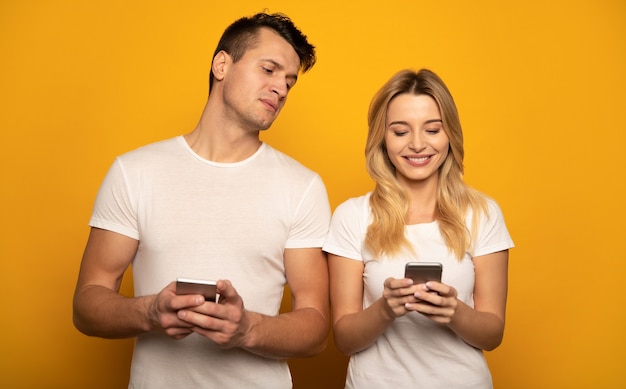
(225, 323)
(164, 308)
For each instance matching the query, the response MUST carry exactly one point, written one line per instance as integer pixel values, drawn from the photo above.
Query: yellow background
(541, 90)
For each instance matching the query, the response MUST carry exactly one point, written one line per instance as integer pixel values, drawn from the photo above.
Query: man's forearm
(298, 334)
(99, 311)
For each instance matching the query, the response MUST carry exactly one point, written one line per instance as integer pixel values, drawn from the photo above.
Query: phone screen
(193, 286)
(422, 272)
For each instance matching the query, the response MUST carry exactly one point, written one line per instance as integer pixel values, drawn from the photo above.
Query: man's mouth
(270, 104)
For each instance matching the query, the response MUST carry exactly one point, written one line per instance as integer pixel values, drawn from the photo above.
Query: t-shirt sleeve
(312, 217)
(114, 209)
(493, 235)
(346, 234)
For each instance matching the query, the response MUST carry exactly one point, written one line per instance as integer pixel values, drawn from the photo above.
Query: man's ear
(220, 65)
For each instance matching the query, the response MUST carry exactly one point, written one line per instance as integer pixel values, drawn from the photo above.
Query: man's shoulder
(158, 148)
(286, 161)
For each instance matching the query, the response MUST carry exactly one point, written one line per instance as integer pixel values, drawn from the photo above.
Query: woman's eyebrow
(433, 121)
(405, 122)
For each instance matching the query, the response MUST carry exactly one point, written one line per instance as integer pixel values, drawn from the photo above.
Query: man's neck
(218, 140)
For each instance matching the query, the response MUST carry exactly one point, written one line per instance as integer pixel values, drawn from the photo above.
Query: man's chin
(262, 126)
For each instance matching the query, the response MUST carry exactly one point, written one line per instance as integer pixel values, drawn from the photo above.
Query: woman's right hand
(397, 293)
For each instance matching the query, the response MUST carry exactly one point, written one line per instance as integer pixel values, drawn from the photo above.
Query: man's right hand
(163, 311)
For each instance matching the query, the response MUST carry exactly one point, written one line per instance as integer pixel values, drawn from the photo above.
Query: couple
(217, 203)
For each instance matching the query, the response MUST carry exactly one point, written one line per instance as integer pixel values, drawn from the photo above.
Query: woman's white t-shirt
(414, 350)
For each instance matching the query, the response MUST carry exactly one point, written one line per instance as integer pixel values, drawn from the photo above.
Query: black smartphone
(421, 272)
(193, 286)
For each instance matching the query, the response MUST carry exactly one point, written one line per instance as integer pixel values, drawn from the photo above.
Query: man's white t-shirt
(200, 219)
(415, 351)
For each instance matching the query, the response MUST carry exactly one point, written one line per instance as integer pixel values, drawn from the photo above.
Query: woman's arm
(483, 325)
(356, 328)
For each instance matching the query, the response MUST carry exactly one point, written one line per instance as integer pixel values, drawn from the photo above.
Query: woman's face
(416, 143)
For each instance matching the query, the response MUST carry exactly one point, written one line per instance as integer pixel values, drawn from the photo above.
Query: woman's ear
(220, 64)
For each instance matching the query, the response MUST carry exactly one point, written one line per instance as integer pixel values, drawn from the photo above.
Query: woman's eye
(266, 70)
(400, 133)
(433, 130)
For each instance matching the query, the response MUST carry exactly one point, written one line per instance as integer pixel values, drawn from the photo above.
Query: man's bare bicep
(106, 257)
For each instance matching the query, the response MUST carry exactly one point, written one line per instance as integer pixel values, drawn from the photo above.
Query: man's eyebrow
(281, 67)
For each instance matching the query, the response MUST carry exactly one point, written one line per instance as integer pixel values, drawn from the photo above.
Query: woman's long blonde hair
(389, 201)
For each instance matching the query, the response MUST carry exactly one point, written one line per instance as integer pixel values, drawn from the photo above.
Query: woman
(396, 332)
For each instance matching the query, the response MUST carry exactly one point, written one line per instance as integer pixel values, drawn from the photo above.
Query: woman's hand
(436, 301)
(398, 294)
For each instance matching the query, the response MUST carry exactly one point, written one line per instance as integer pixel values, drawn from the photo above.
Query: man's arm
(303, 332)
(99, 309)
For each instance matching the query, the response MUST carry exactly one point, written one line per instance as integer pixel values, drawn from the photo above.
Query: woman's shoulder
(354, 209)
(359, 202)
(489, 212)
(493, 208)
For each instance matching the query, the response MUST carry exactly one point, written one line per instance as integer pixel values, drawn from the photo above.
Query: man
(216, 204)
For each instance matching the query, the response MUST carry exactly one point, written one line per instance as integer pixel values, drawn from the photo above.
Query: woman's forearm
(483, 330)
(357, 331)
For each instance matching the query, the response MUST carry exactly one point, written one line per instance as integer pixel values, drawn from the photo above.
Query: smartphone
(193, 286)
(421, 272)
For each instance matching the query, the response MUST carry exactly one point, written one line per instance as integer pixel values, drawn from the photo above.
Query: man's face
(256, 87)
